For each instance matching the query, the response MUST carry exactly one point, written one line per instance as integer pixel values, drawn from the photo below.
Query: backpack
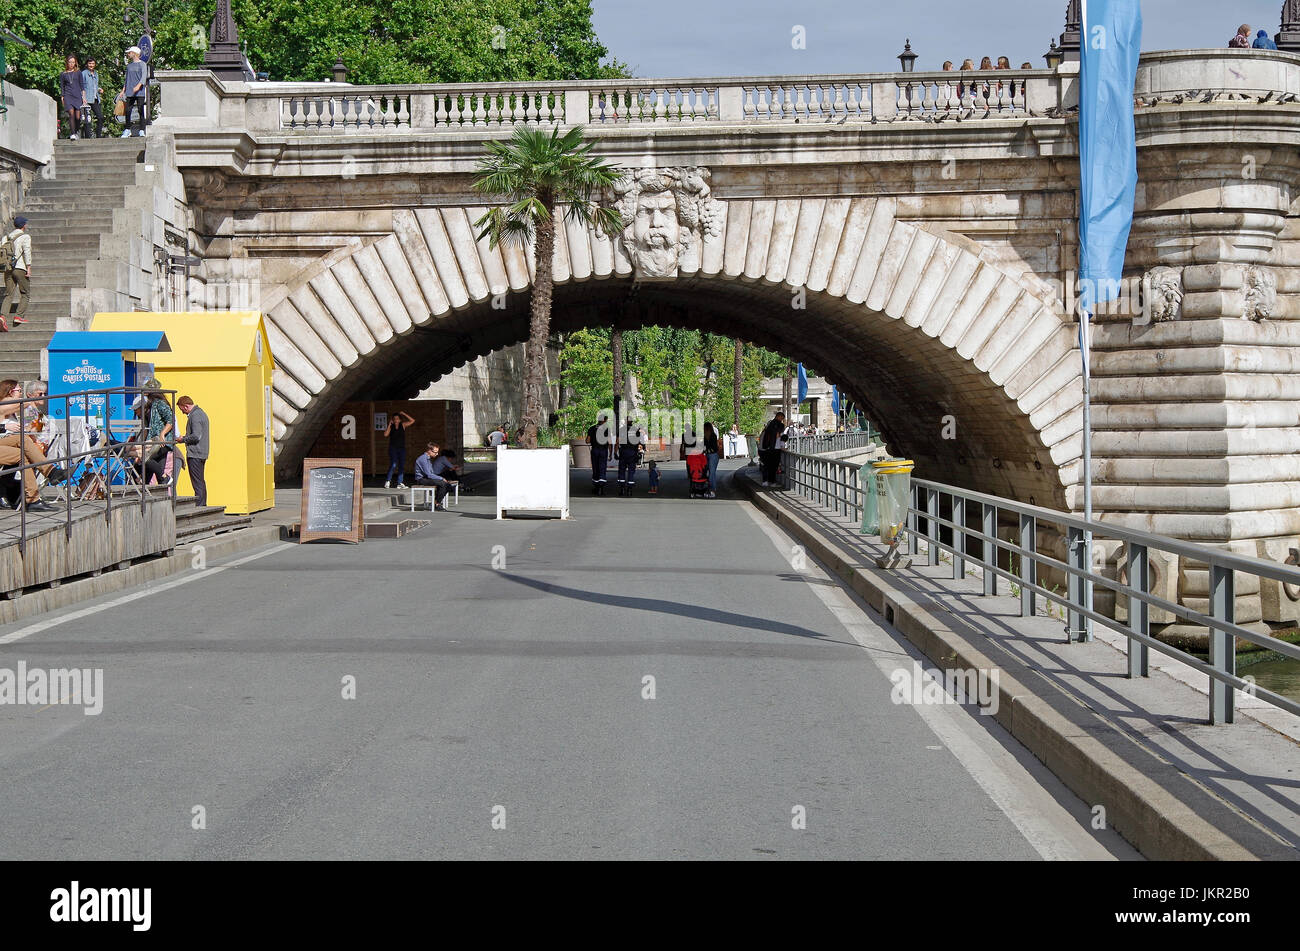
(8, 251)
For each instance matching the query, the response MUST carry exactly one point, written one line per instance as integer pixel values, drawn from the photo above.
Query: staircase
(67, 215)
(193, 523)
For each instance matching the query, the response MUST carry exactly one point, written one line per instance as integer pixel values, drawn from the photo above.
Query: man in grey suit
(196, 438)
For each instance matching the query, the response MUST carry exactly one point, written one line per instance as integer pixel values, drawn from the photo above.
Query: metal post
(1223, 653)
(1076, 557)
(931, 523)
(989, 517)
(959, 537)
(913, 545)
(1139, 612)
(1028, 564)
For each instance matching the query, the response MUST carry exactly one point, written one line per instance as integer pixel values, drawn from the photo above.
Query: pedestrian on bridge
(769, 456)
(630, 452)
(601, 440)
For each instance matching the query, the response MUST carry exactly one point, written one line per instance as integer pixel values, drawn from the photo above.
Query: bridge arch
(911, 321)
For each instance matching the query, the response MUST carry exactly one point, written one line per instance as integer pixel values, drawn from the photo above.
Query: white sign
(531, 480)
(381, 421)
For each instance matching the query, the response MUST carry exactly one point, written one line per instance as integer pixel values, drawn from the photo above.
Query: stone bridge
(913, 236)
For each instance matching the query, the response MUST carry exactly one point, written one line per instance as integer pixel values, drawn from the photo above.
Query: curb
(73, 592)
(1159, 824)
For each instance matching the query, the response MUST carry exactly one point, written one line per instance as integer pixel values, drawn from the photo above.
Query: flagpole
(1085, 349)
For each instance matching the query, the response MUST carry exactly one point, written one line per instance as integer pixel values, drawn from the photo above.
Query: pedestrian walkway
(648, 679)
(1242, 777)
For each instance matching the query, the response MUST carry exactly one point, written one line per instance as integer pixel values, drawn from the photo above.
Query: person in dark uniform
(630, 452)
(601, 439)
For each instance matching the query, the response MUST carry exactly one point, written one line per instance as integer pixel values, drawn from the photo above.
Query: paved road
(520, 688)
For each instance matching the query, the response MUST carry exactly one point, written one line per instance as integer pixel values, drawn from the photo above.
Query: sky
(698, 38)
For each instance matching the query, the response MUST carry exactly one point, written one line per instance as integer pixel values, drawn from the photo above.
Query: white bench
(429, 493)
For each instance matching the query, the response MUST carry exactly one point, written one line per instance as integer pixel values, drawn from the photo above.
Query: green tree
(588, 364)
(394, 41)
(538, 172)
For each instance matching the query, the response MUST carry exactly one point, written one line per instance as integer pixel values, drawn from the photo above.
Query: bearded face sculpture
(667, 214)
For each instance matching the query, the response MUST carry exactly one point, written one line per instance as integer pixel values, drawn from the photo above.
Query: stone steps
(69, 211)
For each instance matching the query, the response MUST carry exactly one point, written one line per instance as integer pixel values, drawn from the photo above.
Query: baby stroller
(697, 471)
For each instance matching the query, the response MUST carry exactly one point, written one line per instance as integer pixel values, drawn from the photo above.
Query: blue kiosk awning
(99, 341)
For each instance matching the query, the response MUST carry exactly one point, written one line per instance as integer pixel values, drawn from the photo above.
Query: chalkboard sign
(331, 500)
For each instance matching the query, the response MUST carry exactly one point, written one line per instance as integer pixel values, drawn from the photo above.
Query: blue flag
(835, 400)
(803, 384)
(1111, 43)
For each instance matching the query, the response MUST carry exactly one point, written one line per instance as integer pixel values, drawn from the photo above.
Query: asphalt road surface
(503, 708)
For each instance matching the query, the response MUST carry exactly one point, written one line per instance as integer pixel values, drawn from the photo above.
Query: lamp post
(907, 57)
(340, 71)
(1054, 56)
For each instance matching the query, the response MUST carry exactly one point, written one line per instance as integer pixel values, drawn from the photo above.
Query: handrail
(67, 459)
(836, 484)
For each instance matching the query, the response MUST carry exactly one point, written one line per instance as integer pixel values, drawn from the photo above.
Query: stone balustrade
(195, 97)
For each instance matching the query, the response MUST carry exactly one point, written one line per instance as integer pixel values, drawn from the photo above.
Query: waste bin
(870, 503)
(893, 479)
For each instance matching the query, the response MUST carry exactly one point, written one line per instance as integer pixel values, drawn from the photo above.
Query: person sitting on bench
(433, 468)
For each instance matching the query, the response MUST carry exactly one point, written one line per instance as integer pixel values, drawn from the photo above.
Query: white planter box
(532, 480)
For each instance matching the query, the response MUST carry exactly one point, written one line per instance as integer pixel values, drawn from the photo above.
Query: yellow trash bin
(223, 362)
(893, 479)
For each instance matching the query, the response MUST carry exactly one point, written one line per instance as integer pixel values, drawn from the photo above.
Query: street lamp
(340, 71)
(1054, 56)
(907, 57)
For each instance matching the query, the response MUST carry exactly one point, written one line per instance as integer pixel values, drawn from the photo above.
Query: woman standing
(711, 452)
(73, 91)
(398, 424)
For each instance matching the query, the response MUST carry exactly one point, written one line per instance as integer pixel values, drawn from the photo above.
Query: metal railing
(84, 406)
(832, 442)
(966, 525)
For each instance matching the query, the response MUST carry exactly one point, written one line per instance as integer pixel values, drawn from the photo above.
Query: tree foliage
(393, 41)
(674, 369)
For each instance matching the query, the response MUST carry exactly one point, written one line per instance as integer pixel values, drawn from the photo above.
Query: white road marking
(1044, 822)
(39, 626)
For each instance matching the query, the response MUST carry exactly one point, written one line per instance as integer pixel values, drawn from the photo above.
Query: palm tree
(536, 172)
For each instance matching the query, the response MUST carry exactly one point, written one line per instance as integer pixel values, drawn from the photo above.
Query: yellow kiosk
(223, 362)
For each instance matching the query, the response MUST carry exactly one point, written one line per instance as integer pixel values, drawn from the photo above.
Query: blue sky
(683, 38)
